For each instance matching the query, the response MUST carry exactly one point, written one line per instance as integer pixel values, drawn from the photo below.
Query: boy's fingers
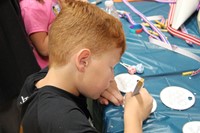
(110, 97)
(128, 95)
(103, 101)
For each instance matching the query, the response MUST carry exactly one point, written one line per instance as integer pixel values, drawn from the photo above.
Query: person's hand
(111, 94)
(136, 109)
(138, 106)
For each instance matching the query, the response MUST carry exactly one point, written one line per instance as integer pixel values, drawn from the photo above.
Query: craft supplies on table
(162, 69)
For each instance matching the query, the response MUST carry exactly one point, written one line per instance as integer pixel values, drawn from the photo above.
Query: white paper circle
(126, 82)
(177, 98)
(192, 127)
(154, 106)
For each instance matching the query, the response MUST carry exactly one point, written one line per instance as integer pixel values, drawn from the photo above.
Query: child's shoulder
(54, 104)
(55, 96)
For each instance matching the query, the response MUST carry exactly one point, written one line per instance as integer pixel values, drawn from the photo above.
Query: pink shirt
(37, 18)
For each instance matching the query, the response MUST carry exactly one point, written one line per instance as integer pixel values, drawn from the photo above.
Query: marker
(164, 30)
(157, 25)
(187, 73)
(139, 85)
(161, 24)
(153, 32)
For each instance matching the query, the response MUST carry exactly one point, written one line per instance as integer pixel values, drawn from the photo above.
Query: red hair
(83, 25)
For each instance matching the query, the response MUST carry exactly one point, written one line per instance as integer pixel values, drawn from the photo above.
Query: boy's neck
(60, 78)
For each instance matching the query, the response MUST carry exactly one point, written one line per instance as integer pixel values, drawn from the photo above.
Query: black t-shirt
(52, 110)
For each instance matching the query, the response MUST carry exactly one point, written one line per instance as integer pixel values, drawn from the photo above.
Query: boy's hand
(138, 106)
(111, 94)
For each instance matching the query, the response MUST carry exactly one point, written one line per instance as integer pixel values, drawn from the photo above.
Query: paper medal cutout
(177, 98)
(192, 127)
(126, 82)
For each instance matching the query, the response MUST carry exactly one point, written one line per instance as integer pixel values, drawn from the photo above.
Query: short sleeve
(35, 17)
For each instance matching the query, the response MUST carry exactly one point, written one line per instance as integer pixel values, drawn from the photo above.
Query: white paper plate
(192, 127)
(126, 82)
(154, 106)
(177, 98)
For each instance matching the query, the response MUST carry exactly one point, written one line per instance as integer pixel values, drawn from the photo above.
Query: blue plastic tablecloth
(163, 68)
(164, 119)
(157, 60)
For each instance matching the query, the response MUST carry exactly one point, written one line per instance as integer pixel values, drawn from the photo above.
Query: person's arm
(136, 109)
(37, 19)
(40, 41)
(112, 94)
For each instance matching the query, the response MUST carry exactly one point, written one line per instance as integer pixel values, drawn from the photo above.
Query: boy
(85, 43)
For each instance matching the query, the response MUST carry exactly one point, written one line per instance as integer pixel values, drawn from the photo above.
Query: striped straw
(177, 33)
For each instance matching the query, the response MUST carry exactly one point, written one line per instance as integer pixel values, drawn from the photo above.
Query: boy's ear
(82, 59)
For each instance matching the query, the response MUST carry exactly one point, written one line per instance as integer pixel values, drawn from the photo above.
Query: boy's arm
(112, 94)
(136, 109)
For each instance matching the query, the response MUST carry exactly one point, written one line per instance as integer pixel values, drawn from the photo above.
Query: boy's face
(99, 73)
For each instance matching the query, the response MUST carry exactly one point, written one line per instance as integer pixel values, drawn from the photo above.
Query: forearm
(136, 109)
(40, 41)
(112, 94)
(132, 124)
(44, 51)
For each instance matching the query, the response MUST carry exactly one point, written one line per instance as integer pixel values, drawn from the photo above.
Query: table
(163, 68)
(164, 119)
